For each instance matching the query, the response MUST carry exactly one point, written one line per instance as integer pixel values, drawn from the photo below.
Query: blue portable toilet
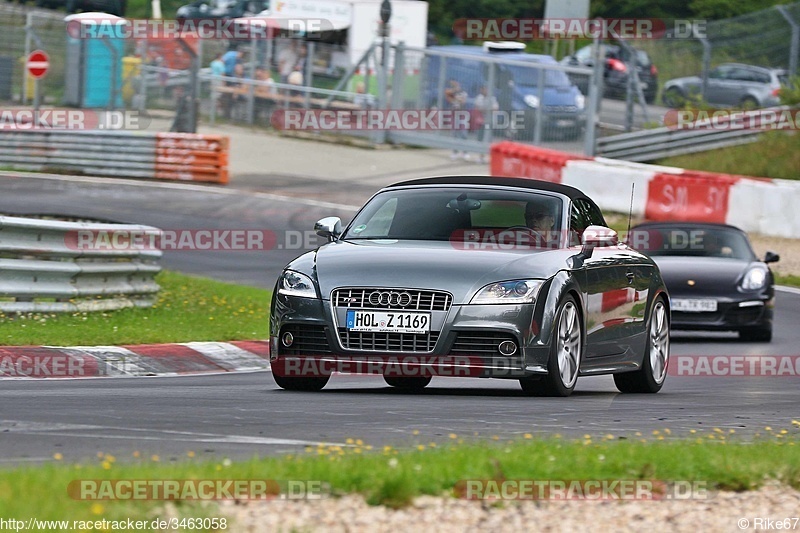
(95, 47)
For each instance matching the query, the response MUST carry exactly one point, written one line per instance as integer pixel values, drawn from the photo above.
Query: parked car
(615, 73)
(472, 276)
(714, 278)
(730, 84)
(114, 7)
(516, 87)
(224, 9)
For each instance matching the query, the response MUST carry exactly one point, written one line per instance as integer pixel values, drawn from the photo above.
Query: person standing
(484, 108)
(455, 98)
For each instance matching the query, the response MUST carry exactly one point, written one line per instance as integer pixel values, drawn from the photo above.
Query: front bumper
(732, 314)
(464, 342)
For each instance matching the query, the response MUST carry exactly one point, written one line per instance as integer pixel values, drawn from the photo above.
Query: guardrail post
(795, 49)
(706, 65)
(595, 93)
(537, 131)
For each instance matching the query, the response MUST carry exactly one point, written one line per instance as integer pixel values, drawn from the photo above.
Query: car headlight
(755, 278)
(580, 101)
(531, 100)
(520, 291)
(296, 284)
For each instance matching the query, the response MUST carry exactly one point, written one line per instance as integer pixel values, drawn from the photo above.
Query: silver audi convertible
(472, 277)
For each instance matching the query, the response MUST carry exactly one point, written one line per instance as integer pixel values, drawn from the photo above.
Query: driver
(539, 217)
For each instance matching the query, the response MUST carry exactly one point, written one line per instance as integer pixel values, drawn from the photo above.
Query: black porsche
(714, 278)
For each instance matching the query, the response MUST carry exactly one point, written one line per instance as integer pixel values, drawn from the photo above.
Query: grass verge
(394, 477)
(188, 309)
(789, 280)
(775, 155)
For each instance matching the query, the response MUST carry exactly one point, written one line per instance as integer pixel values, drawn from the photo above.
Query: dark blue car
(516, 87)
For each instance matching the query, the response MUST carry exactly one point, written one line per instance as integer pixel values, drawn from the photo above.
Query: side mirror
(329, 227)
(597, 236)
(771, 257)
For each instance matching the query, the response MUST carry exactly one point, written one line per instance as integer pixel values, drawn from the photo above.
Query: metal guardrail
(648, 145)
(141, 154)
(43, 268)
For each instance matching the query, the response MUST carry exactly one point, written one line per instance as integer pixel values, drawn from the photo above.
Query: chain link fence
(768, 38)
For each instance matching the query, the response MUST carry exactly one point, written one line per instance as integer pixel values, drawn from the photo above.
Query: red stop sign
(38, 63)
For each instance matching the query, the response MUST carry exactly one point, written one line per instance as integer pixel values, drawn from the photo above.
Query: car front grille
(308, 340)
(407, 299)
(561, 108)
(388, 342)
(744, 315)
(481, 343)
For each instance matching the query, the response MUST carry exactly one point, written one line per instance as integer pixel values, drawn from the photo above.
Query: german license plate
(388, 321)
(565, 123)
(700, 305)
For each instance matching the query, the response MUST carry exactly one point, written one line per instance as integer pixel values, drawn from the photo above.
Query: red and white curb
(765, 206)
(133, 360)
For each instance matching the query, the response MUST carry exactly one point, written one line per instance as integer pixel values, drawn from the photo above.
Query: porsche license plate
(388, 321)
(700, 305)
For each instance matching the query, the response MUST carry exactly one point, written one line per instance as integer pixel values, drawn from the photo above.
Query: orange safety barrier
(192, 157)
(525, 161)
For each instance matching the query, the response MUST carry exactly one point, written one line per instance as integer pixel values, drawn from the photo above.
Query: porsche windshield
(440, 214)
(692, 241)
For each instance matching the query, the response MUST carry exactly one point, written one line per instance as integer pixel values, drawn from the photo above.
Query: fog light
(507, 348)
(287, 339)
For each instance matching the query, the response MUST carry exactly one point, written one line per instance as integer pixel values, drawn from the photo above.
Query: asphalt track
(246, 414)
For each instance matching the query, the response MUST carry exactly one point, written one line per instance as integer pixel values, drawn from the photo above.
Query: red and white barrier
(661, 193)
(135, 360)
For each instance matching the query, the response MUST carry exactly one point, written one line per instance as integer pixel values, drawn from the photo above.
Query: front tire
(301, 384)
(651, 376)
(566, 354)
(407, 384)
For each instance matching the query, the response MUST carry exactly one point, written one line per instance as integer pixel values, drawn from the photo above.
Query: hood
(561, 96)
(428, 265)
(710, 274)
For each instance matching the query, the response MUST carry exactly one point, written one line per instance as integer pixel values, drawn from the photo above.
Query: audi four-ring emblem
(390, 298)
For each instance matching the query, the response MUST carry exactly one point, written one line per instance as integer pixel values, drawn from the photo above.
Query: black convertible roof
(522, 183)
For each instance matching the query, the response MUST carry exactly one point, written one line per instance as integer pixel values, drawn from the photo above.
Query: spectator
(287, 59)
(362, 99)
(455, 98)
(230, 59)
(218, 66)
(484, 108)
(264, 93)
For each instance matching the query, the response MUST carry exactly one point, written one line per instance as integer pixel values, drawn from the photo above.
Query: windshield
(692, 241)
(453, 213)
(529, 76)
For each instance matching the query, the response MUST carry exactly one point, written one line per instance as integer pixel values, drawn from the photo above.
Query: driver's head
(539, 216)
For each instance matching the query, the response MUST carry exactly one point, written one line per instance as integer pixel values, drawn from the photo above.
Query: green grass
(393, 477)
(775, 155)
(188, 309)
(788, 279)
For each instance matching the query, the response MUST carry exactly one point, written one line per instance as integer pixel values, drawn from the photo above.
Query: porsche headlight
(580, 101)
(755, 278)
(521, 291)
(296, 284)
(531, 100)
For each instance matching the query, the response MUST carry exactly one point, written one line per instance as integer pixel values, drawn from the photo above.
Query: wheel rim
(569, 345)
(659, 343)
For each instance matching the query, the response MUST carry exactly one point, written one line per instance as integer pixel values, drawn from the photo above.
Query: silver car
(472, 277)
(729, 84)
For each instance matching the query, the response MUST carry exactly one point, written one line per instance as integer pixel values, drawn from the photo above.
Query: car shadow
(447, 392)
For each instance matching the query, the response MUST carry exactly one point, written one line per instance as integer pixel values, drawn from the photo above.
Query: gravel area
(789, 250)
(719, 512)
